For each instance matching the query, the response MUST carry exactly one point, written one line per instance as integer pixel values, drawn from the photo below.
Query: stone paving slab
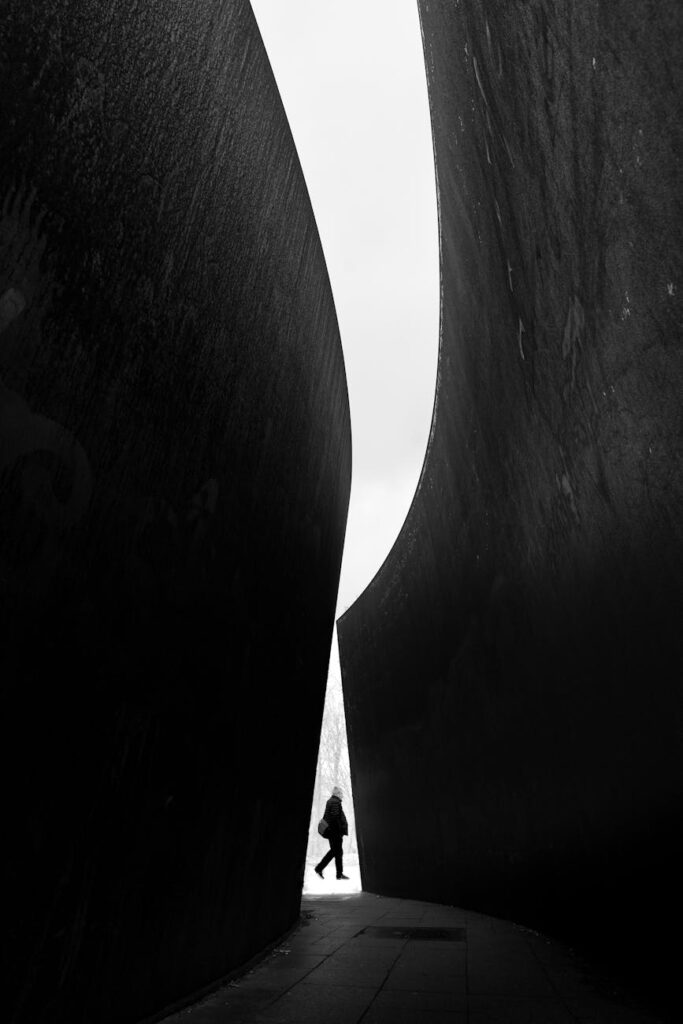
(495, 972)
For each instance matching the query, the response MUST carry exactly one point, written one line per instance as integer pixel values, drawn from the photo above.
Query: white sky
(351, 76)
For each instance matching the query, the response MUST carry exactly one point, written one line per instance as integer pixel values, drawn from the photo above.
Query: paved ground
(339, 967)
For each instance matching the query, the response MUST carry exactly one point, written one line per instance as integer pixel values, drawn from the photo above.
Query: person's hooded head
(337, 792)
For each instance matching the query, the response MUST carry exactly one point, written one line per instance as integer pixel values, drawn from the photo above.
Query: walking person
(337, 828)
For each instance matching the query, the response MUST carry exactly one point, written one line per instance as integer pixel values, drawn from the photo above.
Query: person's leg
(326, 860)
(338, 856)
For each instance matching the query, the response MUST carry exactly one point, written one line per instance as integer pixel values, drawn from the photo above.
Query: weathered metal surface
(512, 674)
(174, 478)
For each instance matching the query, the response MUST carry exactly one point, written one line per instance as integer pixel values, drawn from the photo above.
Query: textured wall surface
(174, 479)
(512, 674)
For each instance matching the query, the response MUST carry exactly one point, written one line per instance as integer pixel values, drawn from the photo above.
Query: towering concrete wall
(174, 479)
(512, 674)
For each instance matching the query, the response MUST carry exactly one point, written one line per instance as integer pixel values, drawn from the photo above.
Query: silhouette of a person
(337, 828)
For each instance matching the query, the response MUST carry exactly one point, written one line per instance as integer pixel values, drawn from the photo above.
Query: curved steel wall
(174, 480)
(512, 674)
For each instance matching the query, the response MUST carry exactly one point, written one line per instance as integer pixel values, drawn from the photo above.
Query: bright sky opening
(352, 80)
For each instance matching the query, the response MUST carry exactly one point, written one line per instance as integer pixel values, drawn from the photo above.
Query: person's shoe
(318, 872)
(345, 877)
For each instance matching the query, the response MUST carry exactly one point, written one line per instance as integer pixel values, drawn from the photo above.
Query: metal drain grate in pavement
(374, 931)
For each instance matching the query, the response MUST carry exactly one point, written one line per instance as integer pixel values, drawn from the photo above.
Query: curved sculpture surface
(174, 480)
(512, 674)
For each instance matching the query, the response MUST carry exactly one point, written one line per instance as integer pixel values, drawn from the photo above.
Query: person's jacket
(335, 818)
